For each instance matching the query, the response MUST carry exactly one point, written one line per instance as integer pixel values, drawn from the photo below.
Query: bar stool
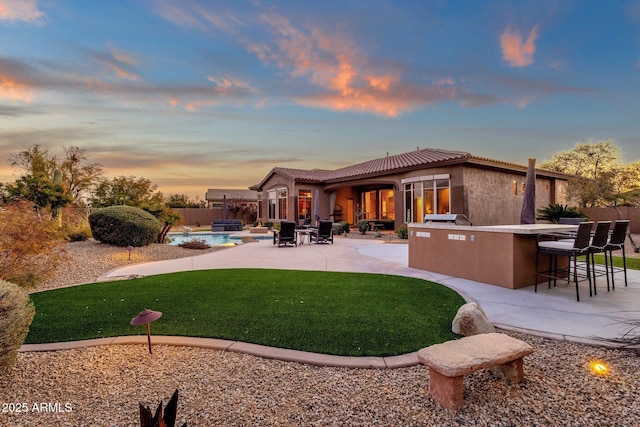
(558, 245)
(598, 244)
(616, 243)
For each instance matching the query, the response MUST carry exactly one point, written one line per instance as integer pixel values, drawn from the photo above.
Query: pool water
(212, 239)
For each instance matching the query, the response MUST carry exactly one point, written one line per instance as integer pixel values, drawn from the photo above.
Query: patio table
(304, 233)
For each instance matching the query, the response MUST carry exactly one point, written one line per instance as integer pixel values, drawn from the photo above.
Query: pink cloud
(14, 90)
(333, 63)
(516, 51)
(337, 70)
(21, 10)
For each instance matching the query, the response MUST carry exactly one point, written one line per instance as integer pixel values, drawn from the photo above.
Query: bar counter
(502, 255)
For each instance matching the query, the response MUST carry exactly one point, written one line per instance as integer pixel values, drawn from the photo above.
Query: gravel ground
(104, 385)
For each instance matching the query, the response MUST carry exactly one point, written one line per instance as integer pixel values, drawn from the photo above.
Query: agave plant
(554, 212)
(161, 419)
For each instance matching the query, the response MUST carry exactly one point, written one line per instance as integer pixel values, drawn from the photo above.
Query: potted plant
(363, 226)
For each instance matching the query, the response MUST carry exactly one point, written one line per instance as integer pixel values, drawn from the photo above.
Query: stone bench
(449, 362)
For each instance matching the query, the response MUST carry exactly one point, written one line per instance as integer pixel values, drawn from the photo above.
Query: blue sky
(213, 94)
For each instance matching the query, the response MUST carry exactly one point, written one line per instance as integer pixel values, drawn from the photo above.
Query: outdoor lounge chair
(286, 235)
(324, 232)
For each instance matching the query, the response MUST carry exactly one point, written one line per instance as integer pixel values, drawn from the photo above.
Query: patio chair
(558, 245)
(286, 235)
(324, 232)
(616, 243)
(306, 223)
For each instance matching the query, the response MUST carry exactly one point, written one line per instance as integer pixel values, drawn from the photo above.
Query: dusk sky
(213, 94)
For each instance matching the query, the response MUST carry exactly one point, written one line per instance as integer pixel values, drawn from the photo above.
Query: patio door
(351, 212)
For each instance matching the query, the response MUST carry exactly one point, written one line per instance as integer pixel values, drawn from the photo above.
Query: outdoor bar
(502, 255)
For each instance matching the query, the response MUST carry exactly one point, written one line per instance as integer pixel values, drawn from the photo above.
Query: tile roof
(421, 157)
(417, 158)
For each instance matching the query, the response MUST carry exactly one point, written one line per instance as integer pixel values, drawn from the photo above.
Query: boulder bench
(450, 361)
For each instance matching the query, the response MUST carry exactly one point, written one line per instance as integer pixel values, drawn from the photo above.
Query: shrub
(124, 226)
(269, 225)
(402, 232)
(337, 228)
(27, 244)
(16, 314)
(79, 234)
(363, 226)
(345, 226)
(195, 244)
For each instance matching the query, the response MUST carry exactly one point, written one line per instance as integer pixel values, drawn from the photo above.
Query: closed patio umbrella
(528, 214)
(316, 206)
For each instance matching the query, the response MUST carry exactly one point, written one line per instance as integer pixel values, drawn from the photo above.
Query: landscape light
(599, 368)
(145, 317)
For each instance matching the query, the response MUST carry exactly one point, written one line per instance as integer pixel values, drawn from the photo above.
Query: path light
(129, 248)
(145, 317)
(599, 368)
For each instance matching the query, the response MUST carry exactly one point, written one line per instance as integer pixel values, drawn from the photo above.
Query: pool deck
(552, 313)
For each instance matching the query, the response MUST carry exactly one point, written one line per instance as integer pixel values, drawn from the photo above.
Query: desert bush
(124, 226)
(16, 314)
(195, 244)
(363, 226)
(402, 232)
(78, 234)
(345, 226)
(28, 244)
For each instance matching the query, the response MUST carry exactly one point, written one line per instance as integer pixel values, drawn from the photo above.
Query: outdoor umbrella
(316, 206)
(528, 214)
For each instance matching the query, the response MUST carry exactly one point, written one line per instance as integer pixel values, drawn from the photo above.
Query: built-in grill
(457, 219)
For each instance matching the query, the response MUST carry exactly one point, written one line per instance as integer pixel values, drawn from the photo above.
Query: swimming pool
(212, 239)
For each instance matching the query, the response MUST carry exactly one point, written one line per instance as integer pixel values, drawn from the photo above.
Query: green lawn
(351, 314)
(632, 263)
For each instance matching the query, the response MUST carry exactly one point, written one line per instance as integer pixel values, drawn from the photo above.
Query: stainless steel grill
(457, 219)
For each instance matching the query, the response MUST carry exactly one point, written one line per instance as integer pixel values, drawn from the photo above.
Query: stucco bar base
(502, 255)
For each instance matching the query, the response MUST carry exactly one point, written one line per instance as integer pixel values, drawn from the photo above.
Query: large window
(378, 204)
(304, 204)
(277, 204)
(426, 195)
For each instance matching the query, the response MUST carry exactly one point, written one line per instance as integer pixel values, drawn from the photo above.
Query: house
(402, 188)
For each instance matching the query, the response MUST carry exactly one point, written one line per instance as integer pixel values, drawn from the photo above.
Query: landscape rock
(471, 320)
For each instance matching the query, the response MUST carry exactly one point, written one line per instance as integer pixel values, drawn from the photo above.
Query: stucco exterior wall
(491, 199)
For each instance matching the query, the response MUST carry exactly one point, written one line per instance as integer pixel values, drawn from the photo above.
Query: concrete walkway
(553, 313)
